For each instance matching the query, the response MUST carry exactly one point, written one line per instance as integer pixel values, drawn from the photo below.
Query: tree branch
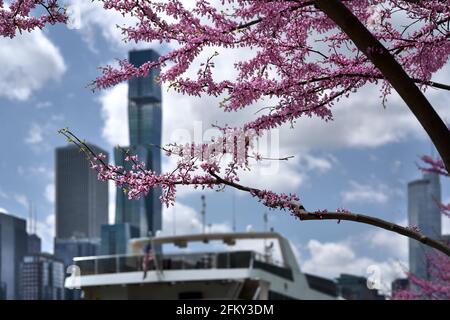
(393, 72)
(300, 212)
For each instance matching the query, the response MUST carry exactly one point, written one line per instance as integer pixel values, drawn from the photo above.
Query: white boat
(226, 274)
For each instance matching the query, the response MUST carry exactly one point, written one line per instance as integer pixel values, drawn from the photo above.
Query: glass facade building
(81, 199)
(13, 247)
(423, 211)
(145, 122)
(42, 278)
(115, 238)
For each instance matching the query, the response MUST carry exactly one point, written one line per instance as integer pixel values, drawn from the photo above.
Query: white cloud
(38, 133)
(49, 192)
(330, 259)
(182, 219)
(112, 190)
(318, 164)
(91, 17)
(275, 176)
(43, 104)
(35, 134)
(389, 242)
(46, 231)
(365, 193)
(3, 210)
(22, 200)
(3, 195)
(28, 62)
(41, 171)
(115, 115)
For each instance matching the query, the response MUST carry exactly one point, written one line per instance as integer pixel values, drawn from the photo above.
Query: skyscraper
(144, 119)
(423, 211)
(115, 238)
(13, 246)
(81, 199)
(42, 277)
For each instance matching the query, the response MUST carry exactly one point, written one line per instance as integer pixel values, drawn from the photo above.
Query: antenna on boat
(267, 248)
(35, 220)
(203, 212)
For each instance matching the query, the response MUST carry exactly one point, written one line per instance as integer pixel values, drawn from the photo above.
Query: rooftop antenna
(267, 248)
(35, 220)
(203, 212)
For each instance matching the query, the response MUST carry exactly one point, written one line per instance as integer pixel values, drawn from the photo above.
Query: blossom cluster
(435, 288)
(19, 15)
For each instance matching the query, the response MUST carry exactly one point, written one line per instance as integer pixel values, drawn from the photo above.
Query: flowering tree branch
(18, 16)
(437, 284)
(130, 181)
(393, 72)
(298, 211)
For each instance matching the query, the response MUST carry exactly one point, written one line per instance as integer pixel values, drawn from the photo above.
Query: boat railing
(186, 261)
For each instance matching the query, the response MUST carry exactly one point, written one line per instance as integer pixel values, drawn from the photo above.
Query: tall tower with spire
(145, 124)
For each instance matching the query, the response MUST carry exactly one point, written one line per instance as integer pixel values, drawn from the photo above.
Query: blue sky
(362, 161)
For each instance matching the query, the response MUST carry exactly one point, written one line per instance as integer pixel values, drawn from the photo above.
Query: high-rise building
(33, 244)
(13, 246)
(42, 277)
(423, 212)
(144, 119)
(115, 238)
(81, 199)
